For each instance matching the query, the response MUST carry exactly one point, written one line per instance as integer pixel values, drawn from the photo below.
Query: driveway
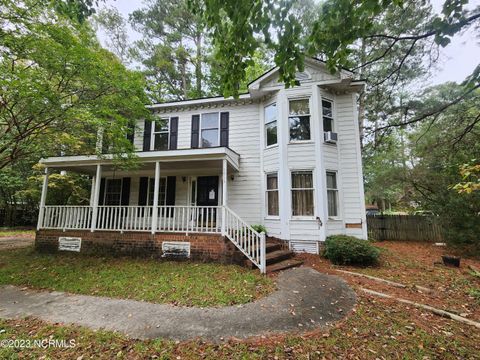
(305, 300)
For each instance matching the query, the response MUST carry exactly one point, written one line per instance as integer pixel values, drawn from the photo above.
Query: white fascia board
(218, 99)
(149, 156)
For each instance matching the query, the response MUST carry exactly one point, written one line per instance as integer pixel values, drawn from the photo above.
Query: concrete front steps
(279, 258)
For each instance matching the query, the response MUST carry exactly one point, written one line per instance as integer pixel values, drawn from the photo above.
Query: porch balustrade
(185, 219)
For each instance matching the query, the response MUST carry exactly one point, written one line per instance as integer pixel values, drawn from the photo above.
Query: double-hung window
(327, 112)
(162, 191)
(161, 132)
(271, 124)
(209, 130)
(113, 192)
(272, 194)
(332, 194)
(302, 193)
(299, 119)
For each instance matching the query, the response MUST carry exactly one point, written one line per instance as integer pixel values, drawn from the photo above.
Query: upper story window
(332, 194)
(161, 132)
(272, 194)
(271, 125)
(302, 193)
(327, 112)
(209, 130)
(299, 119)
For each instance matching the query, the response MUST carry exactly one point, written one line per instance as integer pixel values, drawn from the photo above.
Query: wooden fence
(404, 228)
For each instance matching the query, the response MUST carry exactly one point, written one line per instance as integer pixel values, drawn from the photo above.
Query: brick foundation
(203, 247)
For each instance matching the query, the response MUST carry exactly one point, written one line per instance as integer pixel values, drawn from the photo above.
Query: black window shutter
(125, 191)
(102, 192)
(147, 133)
(131, 132)
(143, 191)
(224, 129)
(195, 131)
(171, 184)
(173, 132)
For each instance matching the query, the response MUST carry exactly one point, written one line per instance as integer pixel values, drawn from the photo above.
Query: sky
(456, 61)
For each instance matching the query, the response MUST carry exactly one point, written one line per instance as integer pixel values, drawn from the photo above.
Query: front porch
(181, 193)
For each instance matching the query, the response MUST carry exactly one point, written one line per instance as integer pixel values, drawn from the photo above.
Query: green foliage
(259, 228)
(174, 51)
(349, 250)
(239, 27)
(60, 87)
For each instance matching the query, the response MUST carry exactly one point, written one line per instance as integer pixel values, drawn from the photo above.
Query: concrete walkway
(305, 299)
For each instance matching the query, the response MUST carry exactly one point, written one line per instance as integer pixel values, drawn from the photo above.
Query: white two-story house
(288, 159)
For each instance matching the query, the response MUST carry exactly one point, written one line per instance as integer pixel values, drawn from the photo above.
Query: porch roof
(170, 159)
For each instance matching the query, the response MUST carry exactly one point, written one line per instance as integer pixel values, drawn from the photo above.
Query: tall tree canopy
(58, 86)
(173, 50)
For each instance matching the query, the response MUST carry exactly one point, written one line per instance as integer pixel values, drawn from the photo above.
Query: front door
(207, 195)
(207, 191)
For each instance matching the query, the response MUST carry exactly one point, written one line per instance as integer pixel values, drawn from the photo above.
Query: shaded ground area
(305, 300)
(452, 289)
(15, 242)
(375, 329)
(159, 281)
(16, 238)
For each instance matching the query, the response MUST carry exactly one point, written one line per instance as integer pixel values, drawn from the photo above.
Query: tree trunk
(198, 64)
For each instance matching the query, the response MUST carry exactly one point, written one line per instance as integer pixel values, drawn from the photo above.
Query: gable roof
(315, 62)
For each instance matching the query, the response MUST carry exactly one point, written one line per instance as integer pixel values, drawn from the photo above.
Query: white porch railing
(246, 239)
(67, 217)
(188, 219)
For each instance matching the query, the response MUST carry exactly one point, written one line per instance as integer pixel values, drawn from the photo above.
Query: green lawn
(9, 232)
(181, 283)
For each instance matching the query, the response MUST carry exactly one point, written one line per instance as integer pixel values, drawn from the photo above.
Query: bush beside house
(349, 250)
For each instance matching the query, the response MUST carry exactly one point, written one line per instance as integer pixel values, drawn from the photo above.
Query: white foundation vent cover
(176, 249)
(69, 243)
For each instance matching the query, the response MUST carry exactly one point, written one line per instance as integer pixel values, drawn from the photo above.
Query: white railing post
(224, 194)
(155, 197)
(43, 199)
(263, 258)
(96, 195)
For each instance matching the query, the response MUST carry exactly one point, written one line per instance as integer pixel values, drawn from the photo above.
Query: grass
(180, 283)
(375, 330)
(9, 232)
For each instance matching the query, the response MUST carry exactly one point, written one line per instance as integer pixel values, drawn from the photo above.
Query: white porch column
(155, 197)
(92, 191)
(224, 194)
(43, 198)
(96, 196)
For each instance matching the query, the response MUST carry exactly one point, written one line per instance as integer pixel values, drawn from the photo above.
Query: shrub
(259, 228)
(348, 250)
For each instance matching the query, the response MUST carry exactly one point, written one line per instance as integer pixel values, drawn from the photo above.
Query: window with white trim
(272, 194)
(332, 194)
(271, 124)
(302, 193)
(299, 119)
(209, 130)
(162, 191)
(327, 113)
(161, 134)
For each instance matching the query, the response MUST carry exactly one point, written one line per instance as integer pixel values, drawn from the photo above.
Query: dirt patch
(15, 242)
(451, 289)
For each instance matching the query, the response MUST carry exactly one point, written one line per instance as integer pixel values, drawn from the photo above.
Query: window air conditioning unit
(330, 137)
